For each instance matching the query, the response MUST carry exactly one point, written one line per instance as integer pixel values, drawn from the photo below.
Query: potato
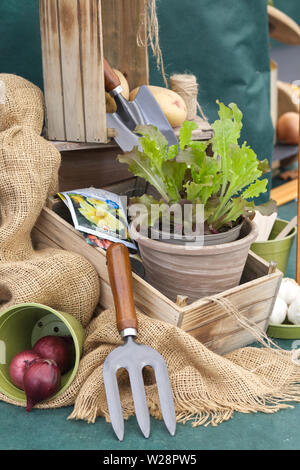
(171, 104)
(288, 128)
(111, 106)
(124, 83)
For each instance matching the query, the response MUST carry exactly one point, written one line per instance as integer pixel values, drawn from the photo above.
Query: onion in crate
(42, 380)
(18, 365)
(57, 349)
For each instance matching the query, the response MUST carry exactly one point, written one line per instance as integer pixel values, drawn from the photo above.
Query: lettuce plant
(219, 173)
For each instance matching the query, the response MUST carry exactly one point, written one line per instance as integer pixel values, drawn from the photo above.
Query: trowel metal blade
(124, 138)
(152, 114)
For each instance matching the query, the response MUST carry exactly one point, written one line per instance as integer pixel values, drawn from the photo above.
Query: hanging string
(148, 34)
(185, 85)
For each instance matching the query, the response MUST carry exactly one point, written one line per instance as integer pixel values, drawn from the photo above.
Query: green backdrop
(225, 44)
(290, 7)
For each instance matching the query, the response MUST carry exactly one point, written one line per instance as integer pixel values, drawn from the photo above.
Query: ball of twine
(186, 86)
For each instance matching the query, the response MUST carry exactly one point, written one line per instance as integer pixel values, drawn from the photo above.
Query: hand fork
(132, 356)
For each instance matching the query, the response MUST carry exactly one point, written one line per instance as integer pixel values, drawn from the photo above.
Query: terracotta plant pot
(195, 271)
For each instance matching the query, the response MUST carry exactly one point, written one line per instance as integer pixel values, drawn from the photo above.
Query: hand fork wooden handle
(131, 355)
(120, 277)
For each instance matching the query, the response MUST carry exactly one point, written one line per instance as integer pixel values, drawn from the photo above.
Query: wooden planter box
(76, 35)
(202, 319)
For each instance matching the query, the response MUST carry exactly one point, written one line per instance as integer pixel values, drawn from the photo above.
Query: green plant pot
(21, 326)
(284, 331)
(276, 250)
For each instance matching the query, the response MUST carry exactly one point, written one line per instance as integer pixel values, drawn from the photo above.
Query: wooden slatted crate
(76, 36)
(203, 319)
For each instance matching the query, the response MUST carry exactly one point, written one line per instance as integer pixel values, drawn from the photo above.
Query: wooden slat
(239, 339)
(213, 316)
(90, 18)
(121, 19)
(71, 70)
(243, 297)
(219, 331)
(52, 73)
(98, 168)
(255, 267)
(204, 131)
(65, 146)
(285, 192)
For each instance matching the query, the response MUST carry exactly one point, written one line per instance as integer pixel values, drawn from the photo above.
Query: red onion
(68, 339)
(18, 365)
(57, 349)
(41, 380)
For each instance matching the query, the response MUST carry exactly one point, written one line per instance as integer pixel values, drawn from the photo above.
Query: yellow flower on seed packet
(77, 198)
(100, 213)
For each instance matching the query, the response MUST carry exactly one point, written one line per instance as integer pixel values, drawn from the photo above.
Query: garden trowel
(142, 111)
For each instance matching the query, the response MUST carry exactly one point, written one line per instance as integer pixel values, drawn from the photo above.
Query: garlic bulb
(289, 290)
(294, 312)
(279, 312)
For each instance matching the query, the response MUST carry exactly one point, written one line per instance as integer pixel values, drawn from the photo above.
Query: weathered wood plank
(90, 20)
(52, 73)
(244, 296)
(285, 192)
(65, 146)
(239, 339)
(71, 70)
(121, 19)
(204, 131)
(97, 168)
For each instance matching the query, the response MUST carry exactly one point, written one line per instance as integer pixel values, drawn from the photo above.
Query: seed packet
(98, 213)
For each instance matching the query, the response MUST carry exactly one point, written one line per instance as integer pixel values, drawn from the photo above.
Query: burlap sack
(207, 388)
(29, 174)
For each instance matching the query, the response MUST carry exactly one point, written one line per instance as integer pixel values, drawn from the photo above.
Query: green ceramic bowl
(284, 331)
(21, 326)
(276, 250)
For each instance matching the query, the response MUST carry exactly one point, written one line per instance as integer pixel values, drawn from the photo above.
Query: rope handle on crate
(231, 309)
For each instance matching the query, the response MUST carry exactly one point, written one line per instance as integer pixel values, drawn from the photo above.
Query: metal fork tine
(139, 398)
(165, 394)
(132, 355)
(113, 401)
